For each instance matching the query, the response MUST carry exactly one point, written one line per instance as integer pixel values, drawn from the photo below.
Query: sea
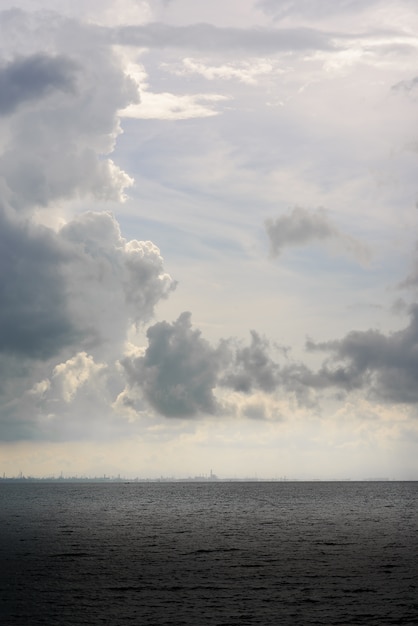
(210, 553)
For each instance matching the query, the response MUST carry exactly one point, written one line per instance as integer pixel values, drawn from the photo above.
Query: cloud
(34, 316)
(301, 227)
(70, 376)
(79, 287)
(104, 12)
(69, 300)
(252, 368)
(109, 278)
(27, 79)
(55, 147)
(313, 8)
(245, 72)
(411, 280)
(83, 284)
(408, 87)
(178, 371)
(386, 366)
(169, 106)
(181, 375)
(73, 401)
(207, 37)
(71, 288)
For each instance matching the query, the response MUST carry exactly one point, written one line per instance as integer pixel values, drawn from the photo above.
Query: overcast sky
(208, 238)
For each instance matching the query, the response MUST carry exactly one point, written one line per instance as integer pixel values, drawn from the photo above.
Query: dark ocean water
(209, 553)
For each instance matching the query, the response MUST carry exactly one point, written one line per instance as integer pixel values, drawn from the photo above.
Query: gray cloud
(213, 38)
(30, 78)
(76, 291)
(69, 295)
(79, 287)
(300, 227)
(252, 368)
(313, 8)
(84, 284)
(385, 365)
(111, 281)
(178, 371)
(34, 317)
(55, 146)
(411, 280)
(407, 86)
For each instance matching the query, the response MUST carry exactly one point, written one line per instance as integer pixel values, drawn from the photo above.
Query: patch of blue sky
(176, 242)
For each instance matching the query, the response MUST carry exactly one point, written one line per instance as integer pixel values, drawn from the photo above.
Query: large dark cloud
(69, 295)
(82, 285)
(180, 372)
(29, 78)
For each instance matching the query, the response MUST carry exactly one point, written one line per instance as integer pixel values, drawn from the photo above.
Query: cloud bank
(87, 349)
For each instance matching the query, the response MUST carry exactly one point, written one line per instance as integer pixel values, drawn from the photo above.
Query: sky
(208, 239)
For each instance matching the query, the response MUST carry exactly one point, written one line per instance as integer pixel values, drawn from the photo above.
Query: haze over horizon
(209, 238)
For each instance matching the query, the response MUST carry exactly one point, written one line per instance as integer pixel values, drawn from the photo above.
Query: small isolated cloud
(301, 227)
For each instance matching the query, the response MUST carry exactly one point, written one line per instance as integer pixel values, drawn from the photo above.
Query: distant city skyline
(196, 478)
